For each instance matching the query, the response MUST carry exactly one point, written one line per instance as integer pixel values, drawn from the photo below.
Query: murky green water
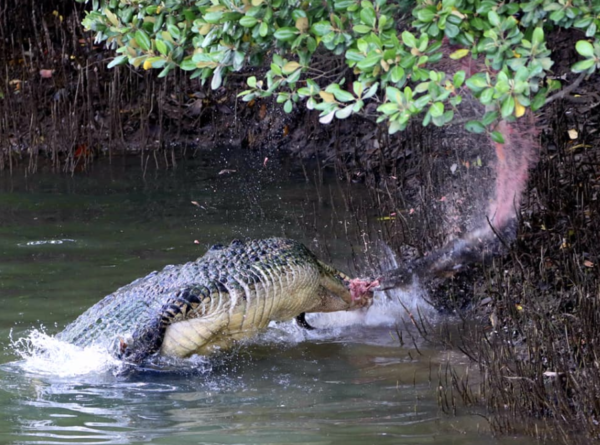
(66, 242)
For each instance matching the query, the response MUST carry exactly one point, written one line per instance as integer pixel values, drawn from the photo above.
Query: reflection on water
(311, 393)
(66, 242)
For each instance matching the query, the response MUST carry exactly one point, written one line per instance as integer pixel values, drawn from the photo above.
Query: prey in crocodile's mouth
(362, 290)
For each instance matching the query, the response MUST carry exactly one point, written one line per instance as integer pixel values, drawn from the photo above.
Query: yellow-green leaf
(112, 17)
(519, 109)
(302, 24)
(290, 67)
(459, 54)
(327, 97)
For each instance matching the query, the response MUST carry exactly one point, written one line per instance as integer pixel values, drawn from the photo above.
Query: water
(66, 242)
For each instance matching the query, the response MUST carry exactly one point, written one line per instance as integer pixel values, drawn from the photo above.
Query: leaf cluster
(392, 61)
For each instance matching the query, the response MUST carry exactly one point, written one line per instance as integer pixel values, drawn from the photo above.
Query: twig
(561, 94)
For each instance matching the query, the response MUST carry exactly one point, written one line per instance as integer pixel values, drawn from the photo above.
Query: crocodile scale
(228, 294)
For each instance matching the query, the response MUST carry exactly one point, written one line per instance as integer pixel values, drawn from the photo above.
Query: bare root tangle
(60, 107)
(535, 313)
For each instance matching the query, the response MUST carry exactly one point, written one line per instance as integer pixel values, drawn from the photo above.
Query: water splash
(47, 242)
(43, 354)
(388, 309)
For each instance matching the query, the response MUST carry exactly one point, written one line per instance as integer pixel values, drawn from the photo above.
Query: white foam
(43, 354)
(387, 310)
(46, 242)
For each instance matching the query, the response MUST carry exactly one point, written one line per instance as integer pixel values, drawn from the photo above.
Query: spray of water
(42, 354)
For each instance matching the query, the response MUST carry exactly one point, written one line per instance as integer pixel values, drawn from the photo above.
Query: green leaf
(188, 64)
(313, 86)
(367, 16)
(475, 127)
(321, 28)
(166, 70)
(585, 48)
(282, 97)
(437, 109)
(508, 106)
(557, 15)
(487, 96)
(251, 81)
(288, 106)
(397, 73)
(213, 17)
(538, 36)
(174, 31)
(161, 47)
(494, 18)
(248, 21)
(286, 33)
(388, 108)
(459, 79)
(409, 39)
(489, 118)
(263, 30)
(354, 56)
(370, 61)
(293, 78)
(582, 22)
(358, 88)
(583, 65)
(361, 29)
(477, 82)
(538, 101)
(341, 95)
(344, 112)
(451, 30)
(455, 100)
(422, 101)
(276, 69)
(425, 15)
(395, 127)
(522, 74)
(120, 60)
(143, 40)
(497, 137)
(371, 91)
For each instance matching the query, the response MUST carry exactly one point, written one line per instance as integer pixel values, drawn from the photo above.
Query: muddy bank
(536, 338)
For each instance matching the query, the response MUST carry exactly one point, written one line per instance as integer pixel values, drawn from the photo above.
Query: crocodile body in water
(228, 294)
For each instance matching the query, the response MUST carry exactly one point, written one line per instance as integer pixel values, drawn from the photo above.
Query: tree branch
(561, 94)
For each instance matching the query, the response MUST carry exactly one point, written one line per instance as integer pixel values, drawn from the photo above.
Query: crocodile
(230, 293)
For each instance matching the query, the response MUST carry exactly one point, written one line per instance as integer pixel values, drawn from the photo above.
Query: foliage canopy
(392, 48)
